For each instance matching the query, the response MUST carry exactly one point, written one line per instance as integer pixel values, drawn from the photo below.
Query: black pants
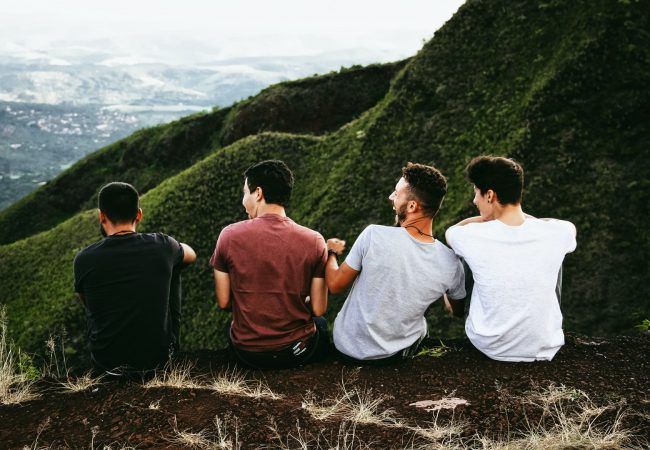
(298, 353)
(398, 357)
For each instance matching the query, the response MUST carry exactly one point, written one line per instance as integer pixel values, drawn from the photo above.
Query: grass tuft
(15, 386)
(80, 384)
(352, 405)
(234, 382)
(174, 375)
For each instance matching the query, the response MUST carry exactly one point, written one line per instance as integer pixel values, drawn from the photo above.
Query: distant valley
(53, 111)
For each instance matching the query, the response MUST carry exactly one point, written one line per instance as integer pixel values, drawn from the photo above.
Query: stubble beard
(400, 215)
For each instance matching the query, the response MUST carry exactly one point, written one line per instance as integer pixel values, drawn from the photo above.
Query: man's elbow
(334, 287)
(223, 304)
(189, 255)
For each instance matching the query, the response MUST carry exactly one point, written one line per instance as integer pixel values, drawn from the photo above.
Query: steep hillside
(562, 86)
(314, 105)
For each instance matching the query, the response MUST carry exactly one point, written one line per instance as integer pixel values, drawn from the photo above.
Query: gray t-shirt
(399, 278)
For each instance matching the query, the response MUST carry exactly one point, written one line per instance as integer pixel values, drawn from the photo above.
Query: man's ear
(138, 216)
(259, 194)
(413, 206)
(491, 196)
(102, 216)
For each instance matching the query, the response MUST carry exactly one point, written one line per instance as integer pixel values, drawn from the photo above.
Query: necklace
(422, 233)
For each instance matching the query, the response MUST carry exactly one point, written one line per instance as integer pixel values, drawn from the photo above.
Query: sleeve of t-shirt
(455, 240)
(321, 258)
(219, 260)
(359, 250)
(457, 289)
(77, 273)
(177, 252)
(570, 239)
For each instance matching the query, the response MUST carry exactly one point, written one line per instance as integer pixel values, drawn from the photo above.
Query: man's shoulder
(87, 251)
(305, 231)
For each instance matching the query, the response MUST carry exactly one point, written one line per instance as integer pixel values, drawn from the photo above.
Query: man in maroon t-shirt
(271, 271)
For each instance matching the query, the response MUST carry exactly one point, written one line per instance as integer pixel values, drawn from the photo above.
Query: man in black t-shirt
(129, 283)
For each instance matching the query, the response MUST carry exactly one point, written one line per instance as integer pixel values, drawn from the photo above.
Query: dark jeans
(398, 357)
(298, 353)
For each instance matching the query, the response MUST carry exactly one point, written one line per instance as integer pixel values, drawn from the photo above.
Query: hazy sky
(198, 30)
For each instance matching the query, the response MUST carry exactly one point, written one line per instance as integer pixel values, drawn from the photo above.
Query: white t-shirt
(514, 312)
(399, 278)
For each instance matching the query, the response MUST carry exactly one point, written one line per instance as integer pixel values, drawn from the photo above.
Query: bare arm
(222, 289)
(189, 255)
(318, 295)
(339, 278)
(475, 219)
(454, 307)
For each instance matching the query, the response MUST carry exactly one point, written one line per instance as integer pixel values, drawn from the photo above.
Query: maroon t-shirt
(271, 261)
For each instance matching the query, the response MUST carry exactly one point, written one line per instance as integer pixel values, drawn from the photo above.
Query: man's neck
(510, 215)
(419, 227)
(271, 209)
(119, 229)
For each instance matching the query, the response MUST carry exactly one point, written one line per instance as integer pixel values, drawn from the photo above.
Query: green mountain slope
(313, 105)
(561, 86)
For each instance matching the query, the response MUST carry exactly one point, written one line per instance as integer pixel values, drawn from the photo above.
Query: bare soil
(613, 372)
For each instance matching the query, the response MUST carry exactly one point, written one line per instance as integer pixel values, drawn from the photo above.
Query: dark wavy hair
(119, 202)
(504, 176)
(275, 179)
(427, 186)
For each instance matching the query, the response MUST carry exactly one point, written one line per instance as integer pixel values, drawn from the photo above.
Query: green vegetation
(643, 326)
(314, 105)
(561, 86)
(434, 352)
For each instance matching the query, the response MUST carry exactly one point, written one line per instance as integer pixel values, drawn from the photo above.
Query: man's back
(399, 277)
(514, 312)
(271, 261)
(125, 282)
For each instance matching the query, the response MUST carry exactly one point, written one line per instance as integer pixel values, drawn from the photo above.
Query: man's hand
(336, 245)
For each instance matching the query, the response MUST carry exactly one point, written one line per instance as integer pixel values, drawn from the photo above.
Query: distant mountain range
(54, 109)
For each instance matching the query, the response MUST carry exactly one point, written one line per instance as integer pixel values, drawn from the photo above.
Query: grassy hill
(313, 105)
(561, 86)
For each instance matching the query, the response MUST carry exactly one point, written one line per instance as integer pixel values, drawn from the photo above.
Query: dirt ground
(504, 402)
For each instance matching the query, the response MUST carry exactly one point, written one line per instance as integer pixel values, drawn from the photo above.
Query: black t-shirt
(130, 284)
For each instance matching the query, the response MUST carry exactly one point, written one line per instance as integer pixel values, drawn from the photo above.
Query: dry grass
(345, 439)
(229, 382)
(174, 375)
(80, 384)
(569, 419)
(15, 388)
(234, 382)
(219, 438)
(351, 405)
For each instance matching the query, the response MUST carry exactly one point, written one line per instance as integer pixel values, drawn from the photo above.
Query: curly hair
(427, 186)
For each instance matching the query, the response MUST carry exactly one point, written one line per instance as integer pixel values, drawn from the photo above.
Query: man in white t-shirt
(515, 259)
(396, 273)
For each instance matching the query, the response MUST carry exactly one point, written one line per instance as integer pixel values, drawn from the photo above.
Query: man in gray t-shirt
(395, 273)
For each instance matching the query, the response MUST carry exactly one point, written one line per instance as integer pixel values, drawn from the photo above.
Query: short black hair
(275, 179)
(504, 176)
(119, 202)
(427, 185)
